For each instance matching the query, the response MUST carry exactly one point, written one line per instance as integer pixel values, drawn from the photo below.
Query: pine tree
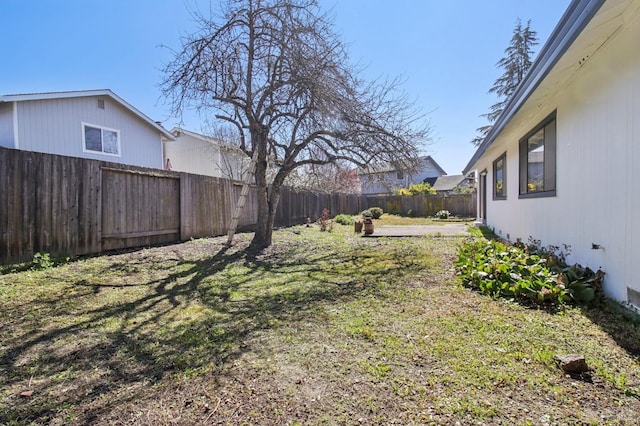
(515, 64)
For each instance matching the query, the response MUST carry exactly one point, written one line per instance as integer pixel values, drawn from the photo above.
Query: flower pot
(358, 227)
(368, 226)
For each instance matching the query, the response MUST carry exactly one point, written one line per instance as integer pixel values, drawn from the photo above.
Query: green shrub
(376, 212)
(366, 213)
(526, 273)
(344, 219)
(443, 214)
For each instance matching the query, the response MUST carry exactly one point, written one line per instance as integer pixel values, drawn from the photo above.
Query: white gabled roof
(85, 93)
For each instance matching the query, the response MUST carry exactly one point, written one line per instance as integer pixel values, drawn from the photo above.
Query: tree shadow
(194, 318)
(619, 322)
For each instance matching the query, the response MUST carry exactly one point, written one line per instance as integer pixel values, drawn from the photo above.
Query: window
(538, 160)
(400, 175)
(500, 178)
(100, 139)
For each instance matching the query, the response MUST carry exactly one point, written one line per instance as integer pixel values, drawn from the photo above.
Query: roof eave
(573, 21)
(85, 93)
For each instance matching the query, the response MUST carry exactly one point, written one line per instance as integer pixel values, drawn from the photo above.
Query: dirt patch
(449, 230)
(324, 327)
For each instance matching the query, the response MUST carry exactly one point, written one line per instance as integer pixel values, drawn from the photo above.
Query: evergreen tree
(515, 64)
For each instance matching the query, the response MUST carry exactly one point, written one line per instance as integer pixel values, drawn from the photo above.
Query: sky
(445, 51)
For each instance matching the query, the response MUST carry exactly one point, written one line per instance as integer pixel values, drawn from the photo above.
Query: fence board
(72, 206)
(138, 208)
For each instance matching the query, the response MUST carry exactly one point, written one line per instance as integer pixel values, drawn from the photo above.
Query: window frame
(503, 194)
(102, 130)
(549, 164)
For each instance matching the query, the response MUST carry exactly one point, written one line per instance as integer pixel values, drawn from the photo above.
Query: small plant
(344, 219)
(367, 213)
(443, 214)
(530, 272)
(42, 261)
(376, 212)
(325, 222)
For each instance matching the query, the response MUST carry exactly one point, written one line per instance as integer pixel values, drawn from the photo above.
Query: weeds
(320, 328)
(325, 222)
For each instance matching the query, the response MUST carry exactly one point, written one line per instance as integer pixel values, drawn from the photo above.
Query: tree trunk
(266, 218)
(267, 199)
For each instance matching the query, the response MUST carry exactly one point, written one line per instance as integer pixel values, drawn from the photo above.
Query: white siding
(382, 183)
(598, 167)
(428, 171)
(203, 157)
(6, 125)
(193, 155)
(55, 126)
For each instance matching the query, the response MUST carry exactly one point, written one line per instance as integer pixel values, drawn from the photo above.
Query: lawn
(322, 328)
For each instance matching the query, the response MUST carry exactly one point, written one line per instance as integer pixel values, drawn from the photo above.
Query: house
(195, 153)
(385, 178)
(452, 183)
(562, 162)
(94, 124)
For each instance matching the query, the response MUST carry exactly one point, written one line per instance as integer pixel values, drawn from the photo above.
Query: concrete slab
(449, 229)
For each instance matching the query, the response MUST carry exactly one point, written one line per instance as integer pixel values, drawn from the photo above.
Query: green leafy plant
(443, 214)
(42, 261)
(526, 272)
(366, 213)
(376, 212)
(344, 219)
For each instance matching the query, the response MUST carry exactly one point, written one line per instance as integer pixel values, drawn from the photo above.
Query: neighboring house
(562, 162)
(94, 124)
(452, 183)
(203, 155)
(385, 178)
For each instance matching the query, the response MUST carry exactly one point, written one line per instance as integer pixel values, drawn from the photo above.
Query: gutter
(575, 19)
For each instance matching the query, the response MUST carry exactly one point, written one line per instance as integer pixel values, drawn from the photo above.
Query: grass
(322, 328)
(393, 220)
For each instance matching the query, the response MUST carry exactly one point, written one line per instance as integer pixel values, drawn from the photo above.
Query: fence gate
(139, 208)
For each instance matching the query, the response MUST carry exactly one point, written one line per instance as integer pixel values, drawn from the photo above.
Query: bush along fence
(67, 206)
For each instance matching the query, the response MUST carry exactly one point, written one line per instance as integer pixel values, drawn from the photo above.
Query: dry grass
(322, 328)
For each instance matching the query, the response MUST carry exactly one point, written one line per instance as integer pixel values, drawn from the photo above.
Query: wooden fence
(71, 206)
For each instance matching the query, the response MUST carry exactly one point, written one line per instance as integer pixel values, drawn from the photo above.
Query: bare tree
(337, 177)
(276, 72)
